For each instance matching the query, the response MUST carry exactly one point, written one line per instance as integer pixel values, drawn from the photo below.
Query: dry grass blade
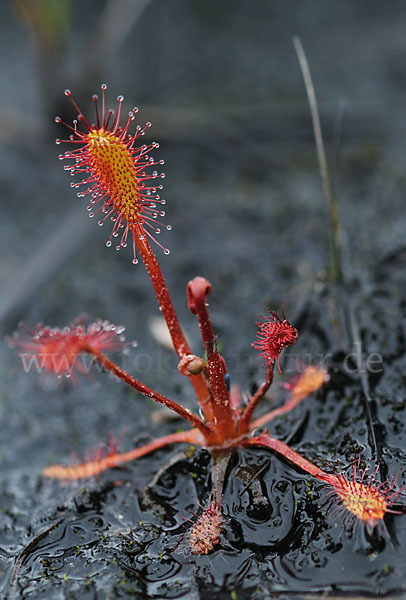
(335, 234)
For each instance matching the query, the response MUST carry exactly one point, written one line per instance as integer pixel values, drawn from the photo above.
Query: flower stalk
(218, 408)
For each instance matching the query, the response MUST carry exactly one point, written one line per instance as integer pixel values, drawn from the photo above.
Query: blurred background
(221, 84)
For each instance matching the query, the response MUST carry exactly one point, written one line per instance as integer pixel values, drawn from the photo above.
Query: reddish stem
(140, 387)
(219, 409)
(294, 457)
(94, 467)
(168, 311)
(245, 420)
(276, 412)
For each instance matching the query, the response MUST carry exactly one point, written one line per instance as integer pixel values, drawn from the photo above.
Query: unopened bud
(191, 365)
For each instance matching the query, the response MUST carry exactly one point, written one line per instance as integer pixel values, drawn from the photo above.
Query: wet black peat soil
(247, 213)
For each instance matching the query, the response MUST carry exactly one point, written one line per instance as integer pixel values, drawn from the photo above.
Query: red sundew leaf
(307, 382)
(273, 336)
(117, 174)
(205, 533)
(365, 498)
(56, 350)
(363, 495)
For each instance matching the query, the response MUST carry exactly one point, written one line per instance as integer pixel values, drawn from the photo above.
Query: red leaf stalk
(146, 391)
(367, 501)
(95, 467)
(294, 457)
(168, 311)
(308, 382)
(245, 420)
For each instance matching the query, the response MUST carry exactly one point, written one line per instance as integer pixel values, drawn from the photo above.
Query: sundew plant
(121, 179)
